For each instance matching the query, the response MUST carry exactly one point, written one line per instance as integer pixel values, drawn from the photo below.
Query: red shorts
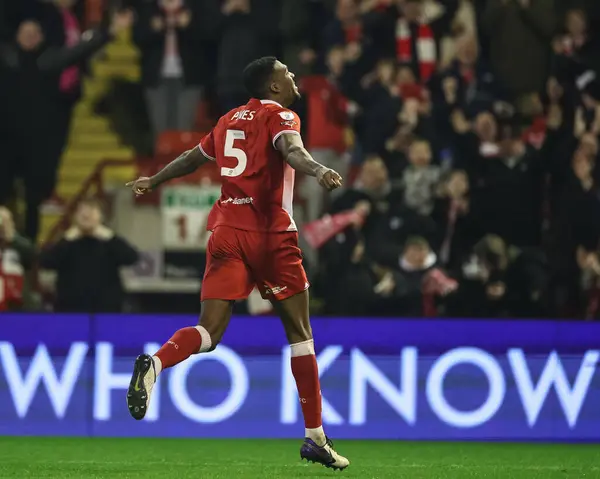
(238, 260)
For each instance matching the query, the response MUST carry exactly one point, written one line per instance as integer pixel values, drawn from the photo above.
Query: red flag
(320, 231)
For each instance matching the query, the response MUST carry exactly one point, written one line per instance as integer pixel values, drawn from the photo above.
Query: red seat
(175, 142)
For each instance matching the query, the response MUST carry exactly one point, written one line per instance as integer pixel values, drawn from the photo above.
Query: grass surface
(36, 457)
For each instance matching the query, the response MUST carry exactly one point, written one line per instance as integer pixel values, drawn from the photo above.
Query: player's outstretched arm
(186, 163)
(294, 153)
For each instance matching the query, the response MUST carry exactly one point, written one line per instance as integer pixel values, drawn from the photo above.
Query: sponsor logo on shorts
(239, 201)
(275, 289)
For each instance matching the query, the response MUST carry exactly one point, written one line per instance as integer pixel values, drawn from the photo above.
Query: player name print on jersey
(243, 115)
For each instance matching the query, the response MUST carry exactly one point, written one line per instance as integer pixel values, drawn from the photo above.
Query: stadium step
(119, 175)
(109, 71)
(90, 124)
(76, 172)
(79, 156)
(85, 141)
(91, 138)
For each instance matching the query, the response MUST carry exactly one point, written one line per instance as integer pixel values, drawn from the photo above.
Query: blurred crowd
(476, 130)
(467, 131)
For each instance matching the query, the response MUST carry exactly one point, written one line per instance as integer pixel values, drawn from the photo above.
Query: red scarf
(536, 133)
(318, 232)
(69, 78)
(425, 46)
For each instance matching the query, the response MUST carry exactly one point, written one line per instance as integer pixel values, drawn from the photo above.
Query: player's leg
(226, 279)
(317, 447)
(285, 284)
(202, 338)
(186, 342)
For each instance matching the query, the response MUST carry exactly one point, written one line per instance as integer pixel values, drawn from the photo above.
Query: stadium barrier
(381, 379)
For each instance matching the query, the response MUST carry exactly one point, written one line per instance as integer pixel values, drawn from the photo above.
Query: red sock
(182, 345)
(306, 374)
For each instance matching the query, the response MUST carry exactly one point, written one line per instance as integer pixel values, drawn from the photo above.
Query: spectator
(298, 29)
(389, 222)
(421, 178)
(247, 30)
(329, 114)
(17, 256)
(87, 262)
(62, 28)
(466, 83)
(576, 233)
(403, 32)
(378, 98)
(576, 47)
(30, 72)
(506, 177)
(589, 281)
(501, 280)
(401, 289)
(347, 277)
(346, 28)
(511, 25)
(170, 35)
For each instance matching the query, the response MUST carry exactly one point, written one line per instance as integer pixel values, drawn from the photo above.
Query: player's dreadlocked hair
(256, 76)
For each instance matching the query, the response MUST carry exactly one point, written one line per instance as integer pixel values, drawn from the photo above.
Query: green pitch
(38, 458)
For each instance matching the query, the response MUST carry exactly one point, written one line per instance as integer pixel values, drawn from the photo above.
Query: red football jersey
(257, 184)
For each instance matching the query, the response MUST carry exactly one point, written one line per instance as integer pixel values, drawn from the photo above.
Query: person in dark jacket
(248, 29)
(87, 262)
(501, 280)
(520, 33)
(171, 35)
(33, 139)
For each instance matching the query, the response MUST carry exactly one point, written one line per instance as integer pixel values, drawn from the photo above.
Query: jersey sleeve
(207, 146)
(283, 121)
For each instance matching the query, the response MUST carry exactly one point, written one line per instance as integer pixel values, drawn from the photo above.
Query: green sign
(189, 197)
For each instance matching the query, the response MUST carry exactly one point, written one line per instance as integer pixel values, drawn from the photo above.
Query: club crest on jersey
(286, 115)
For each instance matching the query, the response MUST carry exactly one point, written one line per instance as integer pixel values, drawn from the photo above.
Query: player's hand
(140, 186)
(329, 179)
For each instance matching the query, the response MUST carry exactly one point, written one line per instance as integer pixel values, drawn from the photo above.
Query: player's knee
(214, 334)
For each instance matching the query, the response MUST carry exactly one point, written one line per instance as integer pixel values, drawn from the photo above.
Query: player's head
(269, 79)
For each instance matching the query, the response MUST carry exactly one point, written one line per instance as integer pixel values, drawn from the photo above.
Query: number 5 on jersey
(231, 151)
